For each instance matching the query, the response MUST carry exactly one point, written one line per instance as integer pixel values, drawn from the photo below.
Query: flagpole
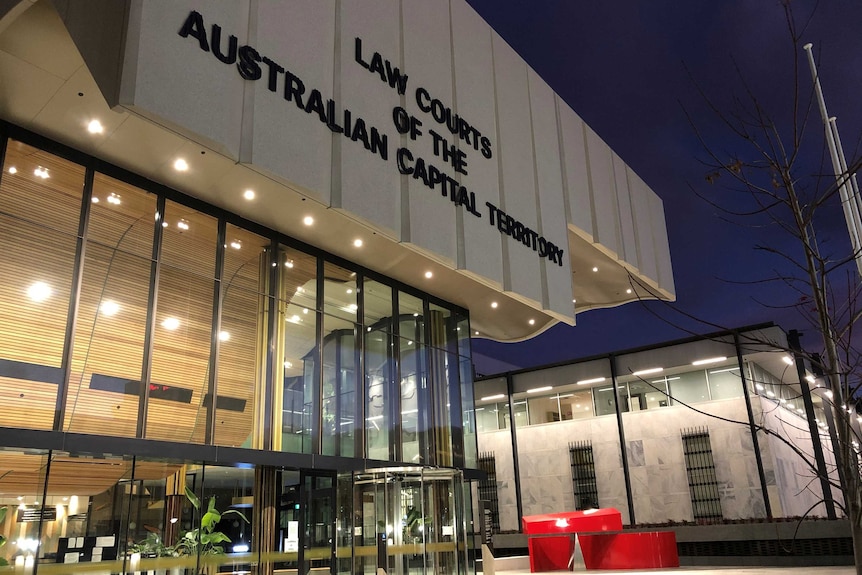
(848, 187)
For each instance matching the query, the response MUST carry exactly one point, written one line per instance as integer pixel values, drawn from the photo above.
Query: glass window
(339, 292)
(40, 207)
(339, 401)
(379, 377)
(23, 480)
(180, 392)
(725, 382)
(242, 337)
(296, 350)
(689, 387)
(414, 410)
(105, 385)
(377, 299)
(604, 400)
(544, 409)
(649, 395)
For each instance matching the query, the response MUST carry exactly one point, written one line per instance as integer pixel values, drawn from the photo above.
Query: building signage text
(252, 66)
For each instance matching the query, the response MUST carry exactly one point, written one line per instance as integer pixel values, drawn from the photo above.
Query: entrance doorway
(406, 521)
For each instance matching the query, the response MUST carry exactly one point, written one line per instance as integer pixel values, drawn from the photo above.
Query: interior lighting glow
(493, 397)
(829, 393)
(171, 323)
(494, 305)
(589, 381)
(429, 275)
(307, 220)
(787, 359)
(39, 291)
(95, 200)
(109, 307)
(181, 165)
(532, 322)
(248, 194)
(13, 170)
(357, 243)
(810, 378)
(288, 264)
(114, 199)
(224, 336)
(709, 360)
(540, 389)
(770, 394)
(288, 364)
(41, 172)
(759, 387)
(476, 333)
(236, 244)
(595, 269)
(563, 522)
(183, 224)
(95, 127)
(723, 370)
(648, 371)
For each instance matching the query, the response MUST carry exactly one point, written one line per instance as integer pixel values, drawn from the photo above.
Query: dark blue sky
(621, 66)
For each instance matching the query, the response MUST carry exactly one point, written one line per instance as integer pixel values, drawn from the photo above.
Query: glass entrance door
(317, 524)
(407, 522)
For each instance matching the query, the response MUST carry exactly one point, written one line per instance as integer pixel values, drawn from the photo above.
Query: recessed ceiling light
(248, 194)
(39, 291)
(236, 244)
(223, 336)
(574, 301)
(13, 170)
(41, 172)
(95, 127)
(589, 381)
(540, 389)
(349, 290)
(164, 224)
(492, 397)
(114, 198)
(494, 304)
(181, 165)
(532, 322)
(171, 323)
(288, 365)
(307, 220)
(288, 264)
(476, 333)
(305, 311)
(357, 243)
(786, 359)
(709, 360)
(429, 275)
(629, 290)
(595, 269)
(183, 224)
(95, 200)
(109, 307)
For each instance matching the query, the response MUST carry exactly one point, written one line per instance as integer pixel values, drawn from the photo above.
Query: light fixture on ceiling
(307, 220)
(13, 170)
(39, 291)
(94, 199)
(41, 172)
(540, 389)
(493, 397)
(494, 304)
(357, 243)
(648, 371)
(709, 360)
(248, 194)
(589, 381)
(288, 263)
(114, 198)
(429, 275)
(109, 308)
(223, 336)
(171, 323)
(95, 127)
(628, 291)
(183, 224)
(181, 165)
(787, 359)
(595, 269)
(288, 365)
(236, 244)
(532, 322)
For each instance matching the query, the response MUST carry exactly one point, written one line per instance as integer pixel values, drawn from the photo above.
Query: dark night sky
(621, 65)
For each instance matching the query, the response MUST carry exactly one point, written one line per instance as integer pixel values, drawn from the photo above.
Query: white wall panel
(605, 220)
(428, 61)
(556, 278)
(575, 169)
(662, 249)
(521, 263)
(481, 250)
(303, 46)
(640, 195)
(169, 77)
(624, 213)
(369, 186)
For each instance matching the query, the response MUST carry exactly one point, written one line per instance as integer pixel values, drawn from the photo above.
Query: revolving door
(410, 521)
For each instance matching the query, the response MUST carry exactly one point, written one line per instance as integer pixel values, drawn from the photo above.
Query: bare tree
(776, 175)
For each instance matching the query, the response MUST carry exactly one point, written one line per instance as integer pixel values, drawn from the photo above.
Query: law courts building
(243, 248)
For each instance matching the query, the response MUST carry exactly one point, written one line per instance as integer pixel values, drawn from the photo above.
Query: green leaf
(209, 520)
(236, 512)
(3, 511)
(3, 562)
(193, 499)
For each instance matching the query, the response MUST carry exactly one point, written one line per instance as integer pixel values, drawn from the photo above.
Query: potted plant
(205, 540)
(3, 510)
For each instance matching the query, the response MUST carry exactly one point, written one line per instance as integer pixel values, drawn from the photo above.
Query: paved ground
(718, 571)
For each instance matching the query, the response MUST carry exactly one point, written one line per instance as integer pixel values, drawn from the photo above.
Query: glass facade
(129, 311)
